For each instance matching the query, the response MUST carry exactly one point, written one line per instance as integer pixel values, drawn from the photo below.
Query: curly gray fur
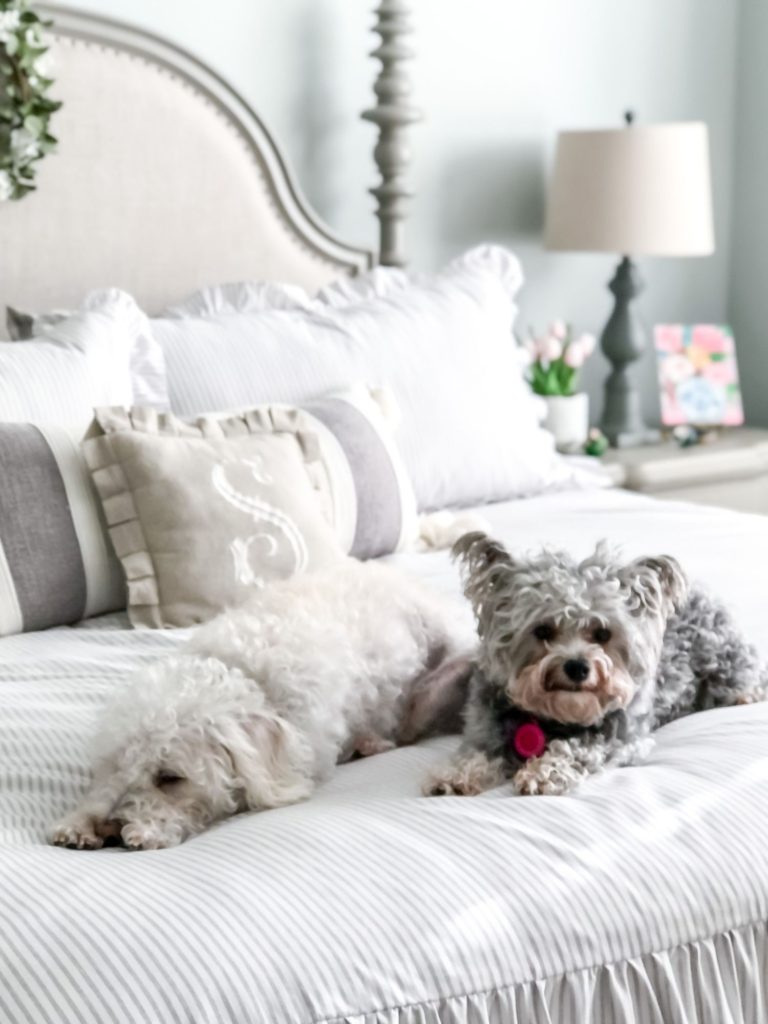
(597, 654)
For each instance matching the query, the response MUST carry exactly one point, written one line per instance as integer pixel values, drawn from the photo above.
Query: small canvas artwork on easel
(698, 375)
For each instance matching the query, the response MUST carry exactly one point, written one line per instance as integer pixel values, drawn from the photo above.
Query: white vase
(568, 420)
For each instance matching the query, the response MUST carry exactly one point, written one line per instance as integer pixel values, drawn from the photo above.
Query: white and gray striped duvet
(643, 899)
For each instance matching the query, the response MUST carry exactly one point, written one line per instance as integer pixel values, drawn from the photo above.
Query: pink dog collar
(529, 740)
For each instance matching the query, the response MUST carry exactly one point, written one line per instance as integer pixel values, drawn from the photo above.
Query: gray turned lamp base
(648, 436)
(623, 343)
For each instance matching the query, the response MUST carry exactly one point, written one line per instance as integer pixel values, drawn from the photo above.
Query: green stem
(22, 83)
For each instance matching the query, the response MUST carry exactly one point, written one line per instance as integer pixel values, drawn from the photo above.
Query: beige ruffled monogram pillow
(201, 514)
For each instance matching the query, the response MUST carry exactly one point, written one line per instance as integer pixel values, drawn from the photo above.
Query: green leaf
(23, 100)
(45, 106)
(34, 125)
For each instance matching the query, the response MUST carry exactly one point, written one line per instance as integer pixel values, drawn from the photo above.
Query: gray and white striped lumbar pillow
(56, 564)
(374, 507)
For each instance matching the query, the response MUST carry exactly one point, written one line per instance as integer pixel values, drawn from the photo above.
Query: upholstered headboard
(164, 180)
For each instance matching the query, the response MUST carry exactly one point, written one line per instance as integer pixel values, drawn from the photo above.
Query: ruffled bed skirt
(717, 980)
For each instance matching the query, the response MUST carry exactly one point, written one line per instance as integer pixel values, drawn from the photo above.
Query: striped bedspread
(641, 899)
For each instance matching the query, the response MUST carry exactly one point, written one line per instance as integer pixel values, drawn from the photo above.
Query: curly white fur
(265, 699)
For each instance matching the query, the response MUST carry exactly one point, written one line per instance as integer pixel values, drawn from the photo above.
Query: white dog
(267, 698)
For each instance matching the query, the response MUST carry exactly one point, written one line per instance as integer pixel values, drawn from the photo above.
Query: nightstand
(731, 471)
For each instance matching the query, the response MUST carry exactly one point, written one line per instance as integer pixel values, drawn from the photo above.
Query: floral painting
(698, 375)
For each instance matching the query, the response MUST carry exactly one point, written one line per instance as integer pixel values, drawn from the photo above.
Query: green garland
(25, 109)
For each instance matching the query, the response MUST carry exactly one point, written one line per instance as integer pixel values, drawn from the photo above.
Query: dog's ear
(656, 584)
(486, 570)
(266, 753)
(476, 550)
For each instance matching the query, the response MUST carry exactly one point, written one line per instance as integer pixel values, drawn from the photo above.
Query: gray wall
(748, 297)
(496, 80)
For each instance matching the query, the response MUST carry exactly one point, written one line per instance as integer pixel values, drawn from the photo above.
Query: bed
(643, 898)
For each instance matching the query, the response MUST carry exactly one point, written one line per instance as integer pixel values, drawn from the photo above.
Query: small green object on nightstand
(596, 443)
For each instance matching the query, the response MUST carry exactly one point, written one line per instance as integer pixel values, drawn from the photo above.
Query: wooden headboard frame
(165, 179)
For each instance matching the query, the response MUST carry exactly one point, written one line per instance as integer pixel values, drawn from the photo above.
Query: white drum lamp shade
(640, 190)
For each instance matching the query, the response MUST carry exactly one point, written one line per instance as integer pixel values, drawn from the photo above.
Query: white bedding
(641, 899)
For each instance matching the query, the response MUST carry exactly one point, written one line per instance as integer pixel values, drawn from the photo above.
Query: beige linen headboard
(164, 180)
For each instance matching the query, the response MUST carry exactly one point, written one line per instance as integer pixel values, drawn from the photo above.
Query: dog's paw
(468, 777)
(443, 787)
(79, 832)
(543, 777)
(145, 836)
(756, 696)
(451, 782)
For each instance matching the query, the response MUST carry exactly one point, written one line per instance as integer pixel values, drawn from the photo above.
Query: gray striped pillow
(56, 563)
(374, 507)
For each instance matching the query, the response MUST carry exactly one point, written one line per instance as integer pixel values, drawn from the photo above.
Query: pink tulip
(558, 330)
(587, 342)
(550, 349)
(575, 355)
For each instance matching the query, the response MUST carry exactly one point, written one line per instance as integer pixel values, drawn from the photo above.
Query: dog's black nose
(576, 669)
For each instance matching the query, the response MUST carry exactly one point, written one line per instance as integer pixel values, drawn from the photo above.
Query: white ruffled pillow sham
(145, 357)
(72, 365)
(442, 343)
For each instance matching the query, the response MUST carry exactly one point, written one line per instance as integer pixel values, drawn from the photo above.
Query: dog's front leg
(560, 769)
(89, 824)
(471, 773)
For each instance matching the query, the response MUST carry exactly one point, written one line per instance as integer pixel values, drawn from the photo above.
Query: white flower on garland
(26, 72)
(44, 66)
(24, 146)
(9, 23)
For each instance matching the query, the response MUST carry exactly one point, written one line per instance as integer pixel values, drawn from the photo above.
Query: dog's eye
(544, 632)
(164, 779)
(601, 635)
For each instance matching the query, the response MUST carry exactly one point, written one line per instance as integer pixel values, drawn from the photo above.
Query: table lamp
(641, 190)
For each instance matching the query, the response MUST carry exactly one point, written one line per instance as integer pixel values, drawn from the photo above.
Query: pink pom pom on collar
(529, 740)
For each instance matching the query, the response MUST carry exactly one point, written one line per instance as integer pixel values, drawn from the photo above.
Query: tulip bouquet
(556, 358)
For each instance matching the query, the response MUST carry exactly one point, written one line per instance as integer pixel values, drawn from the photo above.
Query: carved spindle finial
(392, 113)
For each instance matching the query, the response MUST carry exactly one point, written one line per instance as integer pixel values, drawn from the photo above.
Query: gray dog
(579, 661)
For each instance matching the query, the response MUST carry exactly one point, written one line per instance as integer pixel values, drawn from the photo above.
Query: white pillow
(442, 343)
(147, 366)
(59, 376)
